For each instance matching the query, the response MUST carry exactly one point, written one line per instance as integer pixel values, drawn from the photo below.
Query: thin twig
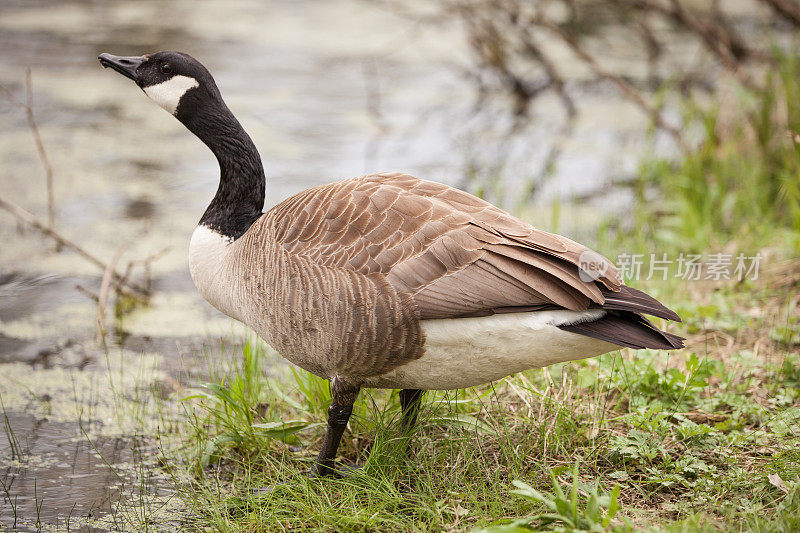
(146, 263)
(787, 8)
(102, 299)
(556, 81)
(729, 49)
(48, 168)
(27, 217)
(86, 292)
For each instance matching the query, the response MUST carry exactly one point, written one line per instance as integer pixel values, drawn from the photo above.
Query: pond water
(327, 89)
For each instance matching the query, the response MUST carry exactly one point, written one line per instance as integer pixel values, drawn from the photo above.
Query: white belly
(464, 352)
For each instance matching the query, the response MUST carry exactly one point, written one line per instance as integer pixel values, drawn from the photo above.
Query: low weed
(584, 508)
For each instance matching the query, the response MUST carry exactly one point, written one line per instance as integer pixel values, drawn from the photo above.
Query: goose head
(182, 86)
(175, 81)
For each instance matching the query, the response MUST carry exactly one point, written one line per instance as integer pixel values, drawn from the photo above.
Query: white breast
(464, 352)
(208, 251)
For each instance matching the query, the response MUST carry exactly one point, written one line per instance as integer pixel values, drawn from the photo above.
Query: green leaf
(287, 399)
(613, 506)
(593, 509)
(557, 487)
(213, 448)
(565, 512)
(282, 430)
(529, 493)
(198, 395)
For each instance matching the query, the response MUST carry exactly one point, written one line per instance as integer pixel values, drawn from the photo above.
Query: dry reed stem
(102, 299)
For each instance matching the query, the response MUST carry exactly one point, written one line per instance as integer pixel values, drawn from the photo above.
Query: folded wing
(456, 254)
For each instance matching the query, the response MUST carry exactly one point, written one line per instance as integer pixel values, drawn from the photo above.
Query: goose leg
(409, 403)
(344, 396)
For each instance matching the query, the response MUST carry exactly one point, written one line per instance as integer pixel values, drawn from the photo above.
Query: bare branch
(86, 292)
(629, 90)
(48, 169)
(786, 8)
(556, 81)
(729, 49)
(146, 264)
(27, 106)
(27, 217)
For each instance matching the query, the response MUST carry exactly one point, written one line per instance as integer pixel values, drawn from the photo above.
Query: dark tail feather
(626, 328)
(630, 299)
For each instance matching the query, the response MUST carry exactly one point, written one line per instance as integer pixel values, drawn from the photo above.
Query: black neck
(240, 197)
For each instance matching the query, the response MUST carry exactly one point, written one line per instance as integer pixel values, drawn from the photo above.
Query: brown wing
(454, 253)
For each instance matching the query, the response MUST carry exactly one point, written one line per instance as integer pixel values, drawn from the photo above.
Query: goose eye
(166, 68)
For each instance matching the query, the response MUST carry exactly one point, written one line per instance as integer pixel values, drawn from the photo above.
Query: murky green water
(327, 89)
(297, 75)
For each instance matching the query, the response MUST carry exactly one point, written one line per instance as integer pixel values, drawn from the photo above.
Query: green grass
(626, 442)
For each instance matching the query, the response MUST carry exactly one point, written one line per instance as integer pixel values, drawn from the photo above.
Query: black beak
(124, 65)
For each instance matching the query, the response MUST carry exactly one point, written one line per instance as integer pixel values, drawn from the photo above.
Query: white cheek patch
(168, 94)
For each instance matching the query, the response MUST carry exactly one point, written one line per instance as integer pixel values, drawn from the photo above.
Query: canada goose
(388, 280)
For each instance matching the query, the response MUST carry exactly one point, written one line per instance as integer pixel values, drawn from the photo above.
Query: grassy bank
(706, 438)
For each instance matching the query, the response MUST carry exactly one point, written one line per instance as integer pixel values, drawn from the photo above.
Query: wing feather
(453, 253)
